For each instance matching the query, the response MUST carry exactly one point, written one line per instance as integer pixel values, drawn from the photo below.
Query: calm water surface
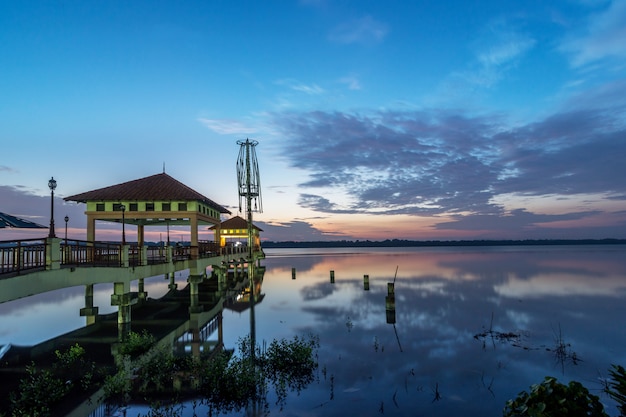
(473, 326)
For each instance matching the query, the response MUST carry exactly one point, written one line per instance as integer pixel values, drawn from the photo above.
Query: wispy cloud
(310, 89)
(498, 50)
(602, 38)
(4, 168)
(352, 81)
(227, 126)
(364, 30)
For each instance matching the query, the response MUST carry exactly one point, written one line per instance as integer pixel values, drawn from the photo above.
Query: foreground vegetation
(228, 382)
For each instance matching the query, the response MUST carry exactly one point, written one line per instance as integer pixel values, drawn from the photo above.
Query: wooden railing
(84, 253)
(22, 255)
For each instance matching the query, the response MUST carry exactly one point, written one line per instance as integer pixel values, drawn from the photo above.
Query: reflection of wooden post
(366, 282)
(332, 277)
(293, 273)
(390, 303)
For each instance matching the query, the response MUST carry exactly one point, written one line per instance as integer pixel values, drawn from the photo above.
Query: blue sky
(375, 120)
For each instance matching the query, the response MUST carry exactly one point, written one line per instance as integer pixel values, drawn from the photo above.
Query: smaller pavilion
(155, 200)
(234, 230)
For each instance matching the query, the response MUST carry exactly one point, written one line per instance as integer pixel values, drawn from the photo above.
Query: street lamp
(52, 184)
(67, 219)
(123, 208)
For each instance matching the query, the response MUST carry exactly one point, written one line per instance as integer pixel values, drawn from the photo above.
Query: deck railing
(21, 256)
(85, 253)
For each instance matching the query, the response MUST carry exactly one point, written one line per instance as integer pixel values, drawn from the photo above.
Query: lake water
(473, 326)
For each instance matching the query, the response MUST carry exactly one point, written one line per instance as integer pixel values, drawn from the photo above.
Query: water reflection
(467, 329)
(429, 362)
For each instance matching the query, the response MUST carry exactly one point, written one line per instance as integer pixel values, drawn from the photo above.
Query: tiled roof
(236, 222)
(159, 187)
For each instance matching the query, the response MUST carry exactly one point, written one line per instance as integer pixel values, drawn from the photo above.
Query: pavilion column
(140, 235)
(194, 236)
(89, 311)
(91, 228)
(194, 294)
(122, 298)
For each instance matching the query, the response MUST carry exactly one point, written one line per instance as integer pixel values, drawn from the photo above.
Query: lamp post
(67, 219)
(123, 208)
(52, 184)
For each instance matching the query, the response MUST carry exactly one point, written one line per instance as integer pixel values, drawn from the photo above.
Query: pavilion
(234, 229)
(157, 200)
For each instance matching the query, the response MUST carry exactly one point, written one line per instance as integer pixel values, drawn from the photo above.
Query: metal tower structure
(249, 182)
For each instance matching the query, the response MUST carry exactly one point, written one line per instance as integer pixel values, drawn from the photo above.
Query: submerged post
(332, 277)
(366, 282)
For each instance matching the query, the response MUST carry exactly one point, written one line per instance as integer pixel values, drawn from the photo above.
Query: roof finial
(164, 167)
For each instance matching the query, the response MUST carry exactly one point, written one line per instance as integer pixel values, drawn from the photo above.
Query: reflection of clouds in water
(561, 285)
(520, 319)
(438, 312)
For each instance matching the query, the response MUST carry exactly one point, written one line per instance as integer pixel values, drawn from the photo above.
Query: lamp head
(52, 184)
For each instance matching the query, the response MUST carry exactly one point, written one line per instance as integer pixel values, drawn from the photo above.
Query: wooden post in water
(390, 303)
(332, 277)
(366, 282)
(293, 273)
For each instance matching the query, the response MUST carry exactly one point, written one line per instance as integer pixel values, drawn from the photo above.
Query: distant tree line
(429, 243)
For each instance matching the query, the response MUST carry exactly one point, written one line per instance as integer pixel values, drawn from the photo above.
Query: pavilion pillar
(140, 235)
(194, 293)
(91, 228)
(172, 277)
(122, 298)
(193, 220)
(142, 294)
(89, 311)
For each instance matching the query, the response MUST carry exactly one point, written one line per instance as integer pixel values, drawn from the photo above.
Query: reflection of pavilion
(242, 300)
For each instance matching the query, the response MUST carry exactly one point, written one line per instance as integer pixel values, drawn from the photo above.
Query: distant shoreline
(398, 243)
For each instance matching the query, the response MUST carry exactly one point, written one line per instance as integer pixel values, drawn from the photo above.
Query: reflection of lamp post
(67, 219)
(52, 184)
(123, 208)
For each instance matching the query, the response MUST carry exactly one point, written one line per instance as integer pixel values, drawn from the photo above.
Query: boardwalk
(187, 320)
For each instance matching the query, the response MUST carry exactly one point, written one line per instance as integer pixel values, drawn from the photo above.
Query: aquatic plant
(617, 387)
(551, 398)
(45, 387)
(136, 344)
(224, 382)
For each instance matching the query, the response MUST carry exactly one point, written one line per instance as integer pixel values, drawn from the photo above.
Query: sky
(375, 120)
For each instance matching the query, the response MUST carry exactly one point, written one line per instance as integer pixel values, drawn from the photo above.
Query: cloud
(518, 219)
(351, 81)
(312, 89)
(602, 38)
(227, 126)
(21, 202)
(309, 89)
(296, 230)
(499, 49)
(4, 168)
(364, 30)
(445, 162)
